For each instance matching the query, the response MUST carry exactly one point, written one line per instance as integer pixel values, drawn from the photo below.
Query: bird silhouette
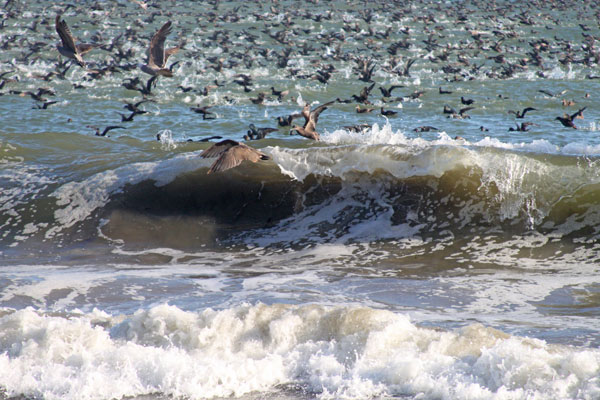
(230, 154)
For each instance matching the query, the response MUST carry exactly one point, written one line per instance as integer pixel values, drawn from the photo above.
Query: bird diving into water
(68, 47)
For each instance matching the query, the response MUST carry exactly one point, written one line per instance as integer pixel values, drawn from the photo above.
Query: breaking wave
(295, 351)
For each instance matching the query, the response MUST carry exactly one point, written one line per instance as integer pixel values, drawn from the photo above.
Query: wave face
(292, 352)
(372, 187)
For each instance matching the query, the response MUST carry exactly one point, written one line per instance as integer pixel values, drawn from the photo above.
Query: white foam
(375, 149)
(330, 352)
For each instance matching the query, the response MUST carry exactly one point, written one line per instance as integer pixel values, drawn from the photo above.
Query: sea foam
(326, 352)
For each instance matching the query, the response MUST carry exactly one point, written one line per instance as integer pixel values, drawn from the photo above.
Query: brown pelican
(67, 47)
(309, 130)
(157, 55)
(231, 154)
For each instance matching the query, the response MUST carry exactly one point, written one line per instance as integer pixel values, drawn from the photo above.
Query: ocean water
(390, 262)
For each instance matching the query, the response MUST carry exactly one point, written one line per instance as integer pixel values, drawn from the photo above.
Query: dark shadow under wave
(455, 193)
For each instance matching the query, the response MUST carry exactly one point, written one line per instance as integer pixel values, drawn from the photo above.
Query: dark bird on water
(106, 130)
(255, 133)
(279, 93)
(208, 139)
(230, 154)
(157, 55)
(357, 128)
(44, 105)
(522, 113)
(425, 128)
(68, 47)
(363, 97)
(388, 92)
(362, 110)
(567, 120)
(466, 102)
(388, 113)
(206, 114)
(134, 107)
(524, 127)
(460, 114)
(547, 93)
(260, 98)
(287, 120)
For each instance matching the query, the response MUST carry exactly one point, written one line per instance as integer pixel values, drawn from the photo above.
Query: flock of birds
(231, 153)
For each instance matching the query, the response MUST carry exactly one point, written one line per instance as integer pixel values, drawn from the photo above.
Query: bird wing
(306, 112)
(579, 113)
(233, 156)
(83, 48)
(314, 114)
(218, 148)
(370, 88)
(65, 34)
(364, 93)
(449, 110)
(110, 128)
(464, 110)
(269, 130)
(157, 46)
(49, 103)
(170, 52)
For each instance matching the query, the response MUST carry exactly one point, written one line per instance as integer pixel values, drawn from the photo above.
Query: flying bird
(158, 55)
(230, 154)
(67, 47)
(309, 130)
(567, 120)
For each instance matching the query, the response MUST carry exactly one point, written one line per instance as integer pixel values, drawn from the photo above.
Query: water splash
(165, 137)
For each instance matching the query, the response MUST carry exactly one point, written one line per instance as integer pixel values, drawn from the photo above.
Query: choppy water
(390, 263)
